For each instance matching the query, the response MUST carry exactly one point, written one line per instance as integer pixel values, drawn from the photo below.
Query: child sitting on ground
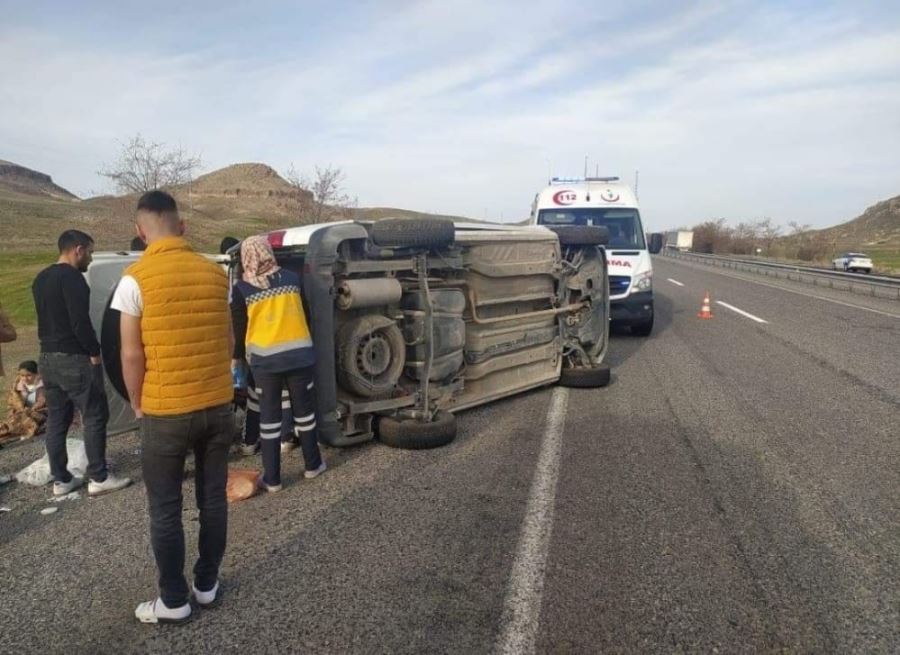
(26, 405)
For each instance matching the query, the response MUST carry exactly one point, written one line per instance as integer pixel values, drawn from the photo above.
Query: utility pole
(585, 165)
(636, 172)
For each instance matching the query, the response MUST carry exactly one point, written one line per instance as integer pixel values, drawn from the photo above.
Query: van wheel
(581, 235)
(417, 435)
(371, 355)
(585, 377)
(413, 232)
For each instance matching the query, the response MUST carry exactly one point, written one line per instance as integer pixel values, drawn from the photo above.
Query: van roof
(585, 192)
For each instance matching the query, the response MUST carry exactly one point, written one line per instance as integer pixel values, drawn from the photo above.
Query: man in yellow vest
(176, 360)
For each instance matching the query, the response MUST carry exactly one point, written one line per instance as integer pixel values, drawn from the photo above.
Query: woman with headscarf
(272, 333)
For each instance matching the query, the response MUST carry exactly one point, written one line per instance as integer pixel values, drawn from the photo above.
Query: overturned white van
(415, 319)
(607, 202)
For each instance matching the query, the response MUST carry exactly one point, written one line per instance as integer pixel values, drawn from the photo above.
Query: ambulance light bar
(577, 180)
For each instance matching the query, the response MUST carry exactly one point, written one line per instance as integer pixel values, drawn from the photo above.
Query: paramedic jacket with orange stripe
(270, 327)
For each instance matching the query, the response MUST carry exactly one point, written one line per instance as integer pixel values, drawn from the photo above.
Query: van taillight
(276, 239)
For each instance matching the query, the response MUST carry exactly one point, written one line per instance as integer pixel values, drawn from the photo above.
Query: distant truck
(680, 240)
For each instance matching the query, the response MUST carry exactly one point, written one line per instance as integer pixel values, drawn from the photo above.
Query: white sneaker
(248, 449)
(63, 488)
(309, 475)
(271, 488)
(206, 598)
(288, 446)
(155, 611)
(110, 484)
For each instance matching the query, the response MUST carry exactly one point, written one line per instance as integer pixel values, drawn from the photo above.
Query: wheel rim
(373, 355)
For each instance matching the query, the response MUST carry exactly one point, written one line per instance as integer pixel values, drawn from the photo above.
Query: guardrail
(877, 286)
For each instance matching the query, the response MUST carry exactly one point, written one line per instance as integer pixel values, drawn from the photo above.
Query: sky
(741, 110)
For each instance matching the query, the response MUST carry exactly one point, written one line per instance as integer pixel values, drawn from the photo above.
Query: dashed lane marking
(741, 312)
(799, 293)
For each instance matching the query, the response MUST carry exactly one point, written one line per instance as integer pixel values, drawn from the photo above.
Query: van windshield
(624, 225)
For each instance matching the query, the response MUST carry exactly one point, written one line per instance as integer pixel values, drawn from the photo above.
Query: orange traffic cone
(705, 312)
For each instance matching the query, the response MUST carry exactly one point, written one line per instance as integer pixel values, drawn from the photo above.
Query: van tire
(413, 232)
(410, 434)
(581, 235)
(352, 347)
(585, 377)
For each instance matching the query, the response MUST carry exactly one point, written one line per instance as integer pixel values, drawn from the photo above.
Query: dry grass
(886, 260)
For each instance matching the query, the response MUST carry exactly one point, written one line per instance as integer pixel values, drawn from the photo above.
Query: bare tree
(712, 236)
(768, 232)
(810, 244)
(797, 229)
(322, 197)
(146, 165)
(743, 238)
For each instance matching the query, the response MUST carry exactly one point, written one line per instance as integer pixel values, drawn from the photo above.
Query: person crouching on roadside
(268, 317)
(26, 405)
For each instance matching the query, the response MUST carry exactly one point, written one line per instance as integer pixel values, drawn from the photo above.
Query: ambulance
(607, 202)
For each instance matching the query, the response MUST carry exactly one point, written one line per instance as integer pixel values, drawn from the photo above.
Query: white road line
(799, 293)
(522, 609)
(675, 282)
(741, 312)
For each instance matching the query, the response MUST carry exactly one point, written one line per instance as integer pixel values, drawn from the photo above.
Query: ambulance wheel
(413, 232)
(417, 435)
(585, 377)
(581, 235)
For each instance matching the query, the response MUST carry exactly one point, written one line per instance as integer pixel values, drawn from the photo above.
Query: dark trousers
(299, 384)
(251, 423)
(165, 442)
(71, 382)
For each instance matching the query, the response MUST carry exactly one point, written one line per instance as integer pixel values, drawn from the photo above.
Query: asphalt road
(734, 489)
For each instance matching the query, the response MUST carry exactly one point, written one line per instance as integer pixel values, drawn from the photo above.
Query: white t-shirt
(32, 389)
(127, 298)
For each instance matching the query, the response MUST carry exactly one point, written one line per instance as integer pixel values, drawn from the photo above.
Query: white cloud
(458, 108)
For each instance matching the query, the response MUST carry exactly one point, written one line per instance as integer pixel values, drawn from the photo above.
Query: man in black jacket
(71, 367)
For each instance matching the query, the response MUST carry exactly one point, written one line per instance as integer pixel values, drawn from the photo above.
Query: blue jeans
(165, 442)
(71, 382)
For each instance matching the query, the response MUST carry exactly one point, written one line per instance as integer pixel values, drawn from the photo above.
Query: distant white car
(854, 262)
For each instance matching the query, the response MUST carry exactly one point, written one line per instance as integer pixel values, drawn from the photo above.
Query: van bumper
(633, 309)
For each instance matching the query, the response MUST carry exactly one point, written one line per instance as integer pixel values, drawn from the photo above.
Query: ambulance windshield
(624, 225)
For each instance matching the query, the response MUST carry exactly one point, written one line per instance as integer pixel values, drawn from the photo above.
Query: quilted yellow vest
(185, 327)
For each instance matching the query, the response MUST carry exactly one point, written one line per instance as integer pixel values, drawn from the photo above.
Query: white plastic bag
(38, 472)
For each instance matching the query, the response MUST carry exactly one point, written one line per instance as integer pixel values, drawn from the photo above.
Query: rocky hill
(20, 179)
(878, 226)
(242, 180)
(237, 200)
